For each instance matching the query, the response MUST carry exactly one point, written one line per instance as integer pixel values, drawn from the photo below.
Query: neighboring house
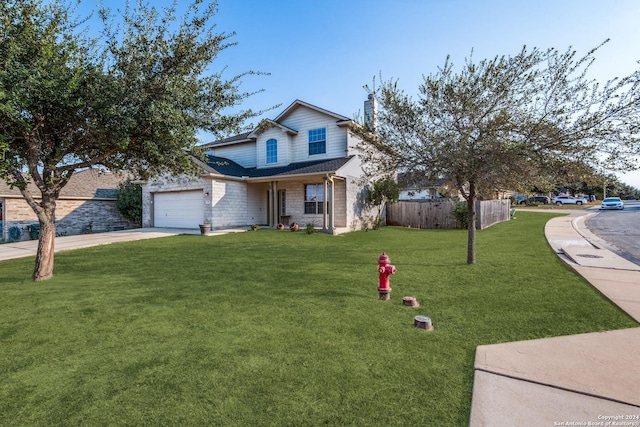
(420, 190)
(419, 193)
(86, 203)
(299, 167)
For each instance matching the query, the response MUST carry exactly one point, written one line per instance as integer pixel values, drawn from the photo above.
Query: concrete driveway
(29, 247)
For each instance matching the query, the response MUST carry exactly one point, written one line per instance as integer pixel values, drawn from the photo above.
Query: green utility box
(35, 231)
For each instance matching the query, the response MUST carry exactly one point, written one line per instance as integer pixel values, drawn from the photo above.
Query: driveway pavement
(29, 247)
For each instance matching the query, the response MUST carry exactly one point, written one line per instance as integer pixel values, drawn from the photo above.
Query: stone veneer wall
(227, 205)
(229, 202)
(359, 215)
(72, 217)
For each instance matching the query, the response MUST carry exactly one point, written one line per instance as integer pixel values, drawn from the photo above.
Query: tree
(132, 99)
(382, 191)
(507, 122)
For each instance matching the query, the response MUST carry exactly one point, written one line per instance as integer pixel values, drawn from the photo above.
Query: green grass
(278, 328)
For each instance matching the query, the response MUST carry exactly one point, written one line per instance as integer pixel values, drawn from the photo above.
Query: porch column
(331, 207)
(273, 204)
(325, 214)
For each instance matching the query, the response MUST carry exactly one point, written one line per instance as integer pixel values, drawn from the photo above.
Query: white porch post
(328, 214)
(325, 214)
(331, 208)
(274, 204)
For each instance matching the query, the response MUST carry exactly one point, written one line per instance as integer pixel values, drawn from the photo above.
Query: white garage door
(180, 209)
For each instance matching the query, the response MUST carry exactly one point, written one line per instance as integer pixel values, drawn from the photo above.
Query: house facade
(86, 204)
(300, 167)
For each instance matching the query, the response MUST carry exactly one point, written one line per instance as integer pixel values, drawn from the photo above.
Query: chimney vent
(371, 112)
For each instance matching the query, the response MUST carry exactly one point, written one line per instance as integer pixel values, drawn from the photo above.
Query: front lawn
(278, 328)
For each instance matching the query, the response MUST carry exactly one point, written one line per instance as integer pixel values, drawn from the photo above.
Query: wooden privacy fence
(489, 212)
(438, 213)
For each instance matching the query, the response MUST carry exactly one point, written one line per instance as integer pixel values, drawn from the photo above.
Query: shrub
(461, 213)
(382, 191)
(129, 200)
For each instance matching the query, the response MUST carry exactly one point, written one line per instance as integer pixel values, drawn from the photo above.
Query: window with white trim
(314, 199)
(317, 141)
(272, 151)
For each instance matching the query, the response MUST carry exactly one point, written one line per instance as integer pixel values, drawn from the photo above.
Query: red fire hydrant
(385, 270)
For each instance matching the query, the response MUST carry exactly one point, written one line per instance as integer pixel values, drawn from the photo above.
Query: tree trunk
(471, 224)
(46, 243)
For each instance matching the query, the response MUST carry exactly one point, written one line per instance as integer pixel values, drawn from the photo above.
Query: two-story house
(300, 167)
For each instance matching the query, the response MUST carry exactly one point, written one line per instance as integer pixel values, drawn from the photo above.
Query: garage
(180, 209)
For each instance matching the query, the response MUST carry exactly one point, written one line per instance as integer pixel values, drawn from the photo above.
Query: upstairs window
(317, 141)
(272, 151)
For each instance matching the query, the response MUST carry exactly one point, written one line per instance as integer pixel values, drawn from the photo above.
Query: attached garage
(178, 209)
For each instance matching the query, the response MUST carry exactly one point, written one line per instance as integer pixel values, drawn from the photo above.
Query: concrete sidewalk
(29, 247)
(584, 379)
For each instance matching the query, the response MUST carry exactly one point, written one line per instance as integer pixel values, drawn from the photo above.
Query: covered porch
(319, 200)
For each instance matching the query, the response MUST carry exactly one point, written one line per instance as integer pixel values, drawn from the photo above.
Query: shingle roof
(230, 168)
(90, 183)
(236, 138)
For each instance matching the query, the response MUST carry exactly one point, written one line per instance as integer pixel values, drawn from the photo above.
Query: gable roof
(226, 167)
(86, 184)
(297, 103)
(266, 124)
(252, 135)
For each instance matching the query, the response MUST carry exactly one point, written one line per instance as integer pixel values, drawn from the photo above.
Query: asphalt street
(619, 229)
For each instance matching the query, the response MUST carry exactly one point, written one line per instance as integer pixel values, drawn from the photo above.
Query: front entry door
(283, 217)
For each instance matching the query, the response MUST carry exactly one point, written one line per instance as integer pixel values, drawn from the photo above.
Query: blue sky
(324, 51)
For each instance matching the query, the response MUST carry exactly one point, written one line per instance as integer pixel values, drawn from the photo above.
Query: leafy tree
(382, 191)
(626, 191)
(506, 122)
(129, 200)
(132, 99)
(615, 188)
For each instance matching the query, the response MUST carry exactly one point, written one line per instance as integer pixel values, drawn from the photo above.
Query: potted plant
(294, 226)
(205, 227)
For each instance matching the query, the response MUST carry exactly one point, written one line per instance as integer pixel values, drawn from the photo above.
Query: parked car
(612, 203)
(542, 199)
(567, 200)
(535, 199)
